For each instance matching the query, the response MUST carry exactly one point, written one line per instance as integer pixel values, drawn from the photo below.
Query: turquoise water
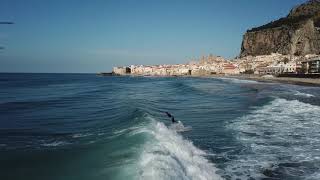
(83, 126)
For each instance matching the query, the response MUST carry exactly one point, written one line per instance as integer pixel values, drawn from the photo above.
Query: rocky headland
(297, 34)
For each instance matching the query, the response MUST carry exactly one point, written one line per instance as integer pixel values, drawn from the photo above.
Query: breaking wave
(280, 139)
(55, 143)
(242, 81)
(298, 93)
(167, 155)
(80, 135)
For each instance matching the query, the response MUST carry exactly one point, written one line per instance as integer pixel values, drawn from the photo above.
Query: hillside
(296, 34)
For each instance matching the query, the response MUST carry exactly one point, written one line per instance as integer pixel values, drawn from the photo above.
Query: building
(280, 68)
(311, 66)
(290, 68)
(269, 70)
(272, 69)
(229, 68)
(119, 70)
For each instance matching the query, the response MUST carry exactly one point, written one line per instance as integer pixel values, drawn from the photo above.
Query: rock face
(296, 34)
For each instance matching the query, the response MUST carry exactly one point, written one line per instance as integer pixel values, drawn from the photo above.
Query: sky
(88, 36)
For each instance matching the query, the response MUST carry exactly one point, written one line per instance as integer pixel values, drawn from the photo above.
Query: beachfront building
(121, 70)
(311, 66)
(183, 70)
(269, 70)
(229, 68)
(265, 64)
(290, 68)
(278, 68)
(272, 69)
(270, 64)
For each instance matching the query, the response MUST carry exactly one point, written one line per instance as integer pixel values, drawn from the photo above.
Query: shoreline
(285, 80)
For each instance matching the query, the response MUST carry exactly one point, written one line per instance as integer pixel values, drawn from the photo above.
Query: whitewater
(167, 155)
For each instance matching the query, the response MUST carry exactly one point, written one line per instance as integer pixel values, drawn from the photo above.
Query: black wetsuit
(172, 118)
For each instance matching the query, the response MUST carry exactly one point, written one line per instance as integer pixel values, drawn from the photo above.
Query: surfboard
(179, 127)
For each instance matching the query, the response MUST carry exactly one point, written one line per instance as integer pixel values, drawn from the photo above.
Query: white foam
(80, 135)
(169, 156)
(126, 130)
(280, 132)
(241, 81)
(179, 127)
(55, 143)
(298, 93)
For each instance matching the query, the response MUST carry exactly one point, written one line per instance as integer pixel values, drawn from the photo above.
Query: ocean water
(83, 126)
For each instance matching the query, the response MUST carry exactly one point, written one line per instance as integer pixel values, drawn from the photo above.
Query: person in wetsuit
(172, 118)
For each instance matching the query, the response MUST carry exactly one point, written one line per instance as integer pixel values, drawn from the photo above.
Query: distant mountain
(296, 34)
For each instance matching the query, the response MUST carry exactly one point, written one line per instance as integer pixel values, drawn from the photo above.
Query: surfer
(177, 125)
(172, 118)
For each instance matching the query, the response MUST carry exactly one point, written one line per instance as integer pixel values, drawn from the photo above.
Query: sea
(90, 127)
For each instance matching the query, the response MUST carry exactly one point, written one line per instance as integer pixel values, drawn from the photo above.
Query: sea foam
(282, 137)
(55, 143)
(169, 156)
(240, 81)
(298, 93)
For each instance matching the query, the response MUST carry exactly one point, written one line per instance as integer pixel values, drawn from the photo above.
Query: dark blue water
(83, 126)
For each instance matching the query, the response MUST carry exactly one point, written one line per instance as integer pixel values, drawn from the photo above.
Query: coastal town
(274, 64)
(287, 47)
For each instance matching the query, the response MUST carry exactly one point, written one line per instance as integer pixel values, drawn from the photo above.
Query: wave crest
(298, 93)
(169, 156)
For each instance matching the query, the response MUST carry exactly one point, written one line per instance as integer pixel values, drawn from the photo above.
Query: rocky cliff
(296, 34)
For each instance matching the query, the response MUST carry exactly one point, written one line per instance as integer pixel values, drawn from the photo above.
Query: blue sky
(95, 35)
